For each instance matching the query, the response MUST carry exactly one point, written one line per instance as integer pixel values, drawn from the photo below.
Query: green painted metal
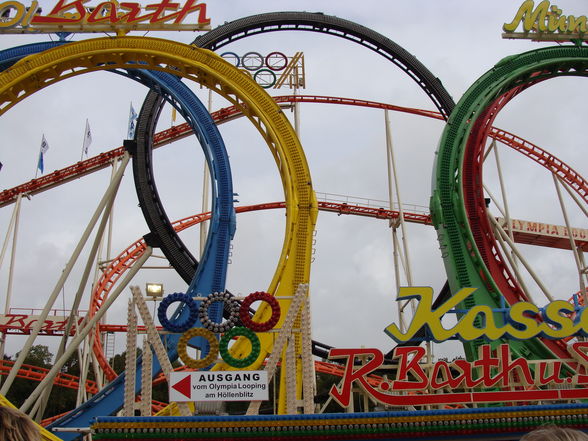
(463, 262)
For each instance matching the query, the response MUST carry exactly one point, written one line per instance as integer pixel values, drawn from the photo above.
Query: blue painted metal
(211, 274)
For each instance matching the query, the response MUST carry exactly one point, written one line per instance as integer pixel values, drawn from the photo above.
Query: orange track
(58, 177)
(36, 373)
(119, 265)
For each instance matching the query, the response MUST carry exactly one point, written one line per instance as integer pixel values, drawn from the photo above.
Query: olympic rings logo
(262, 69)
(228, 328)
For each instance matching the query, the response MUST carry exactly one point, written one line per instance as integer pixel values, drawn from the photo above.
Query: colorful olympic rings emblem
(261, 68)
(233, 306)
(183, 352)
(175, 326)
(210, 328)
(240, 362)
(248, 321)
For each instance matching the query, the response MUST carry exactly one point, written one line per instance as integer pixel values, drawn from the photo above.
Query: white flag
(87, 138)
(42, 151)
(132, 123)
(44, 145)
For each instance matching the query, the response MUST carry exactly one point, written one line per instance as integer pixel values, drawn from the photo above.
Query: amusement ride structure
(479, 250)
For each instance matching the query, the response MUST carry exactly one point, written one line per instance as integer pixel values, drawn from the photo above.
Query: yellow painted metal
(38, 71)
(45, 434)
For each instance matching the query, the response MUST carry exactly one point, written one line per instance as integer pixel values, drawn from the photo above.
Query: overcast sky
(352, 281)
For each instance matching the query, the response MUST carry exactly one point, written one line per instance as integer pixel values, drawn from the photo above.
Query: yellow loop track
(38, 71)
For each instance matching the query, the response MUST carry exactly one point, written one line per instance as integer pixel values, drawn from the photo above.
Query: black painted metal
(178, 254)
(338, 27)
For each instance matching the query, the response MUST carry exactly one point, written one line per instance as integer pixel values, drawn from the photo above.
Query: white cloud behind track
(353, 294)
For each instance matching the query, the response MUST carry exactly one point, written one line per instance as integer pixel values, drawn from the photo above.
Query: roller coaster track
(175, 133)
(319, 23)
(52, 66)
(227, 114)
(212, 274)
(117, 266)
(181, 131)
(337, 27)
(36, 373)
(168, 136)
(471, 256)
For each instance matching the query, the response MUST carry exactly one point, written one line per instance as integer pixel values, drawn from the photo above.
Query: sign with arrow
(218, 386)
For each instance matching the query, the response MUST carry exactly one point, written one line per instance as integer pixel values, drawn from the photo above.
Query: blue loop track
(211, 274)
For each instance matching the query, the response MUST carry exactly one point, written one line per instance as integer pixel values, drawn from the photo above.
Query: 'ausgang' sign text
(218, 386)
(109, 16)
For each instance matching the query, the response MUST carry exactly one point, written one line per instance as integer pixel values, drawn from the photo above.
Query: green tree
(62, 399)
(40, 356)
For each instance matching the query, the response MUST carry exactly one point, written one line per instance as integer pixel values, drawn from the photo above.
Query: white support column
(395, 246)
(400, 252)
(290, 367)
(146, 379)
(508, 252)
(98, 272)
(392, 170)
(13, 253)
(574, 196)
(111, 217)
(12, 228)
(87, 328)
(296, 111)
(504, 201)
(153, 337)
(513, 247)
(130, 361)
(97, 371)
(581, 277)
(84, 360)
(108, 195)
(281, 341)
(205, 193)
(308, 374)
